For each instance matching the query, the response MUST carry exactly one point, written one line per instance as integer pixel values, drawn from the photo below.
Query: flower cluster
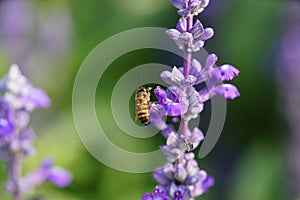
(18, 99)
(181, 178)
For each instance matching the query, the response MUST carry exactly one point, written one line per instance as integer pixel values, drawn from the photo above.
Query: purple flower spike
(227, 91)
(181, 178)
(225, 72)
(18, 99)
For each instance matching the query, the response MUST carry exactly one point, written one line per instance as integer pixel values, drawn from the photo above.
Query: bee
(142, 105)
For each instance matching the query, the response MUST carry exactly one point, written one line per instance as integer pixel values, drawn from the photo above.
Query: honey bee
(142, 105)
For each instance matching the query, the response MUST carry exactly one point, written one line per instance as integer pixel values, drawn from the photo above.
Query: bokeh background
(258, 154)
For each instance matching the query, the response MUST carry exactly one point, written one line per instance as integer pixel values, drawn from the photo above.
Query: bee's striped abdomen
(142, 105)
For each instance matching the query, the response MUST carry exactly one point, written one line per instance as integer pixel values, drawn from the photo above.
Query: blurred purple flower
(288, 77)
(18, 99)
(46, 172)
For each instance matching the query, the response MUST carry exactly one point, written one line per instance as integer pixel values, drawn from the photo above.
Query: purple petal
(186, 37)
(196, 65)
(177, 77)
(176, 109)
(174, 93)
(161, 95)
(205, 95)
(197, 30)
(166, 76)
(189, 156)
(178, 4)
(189, 80)
(207, 34)
(197, 46)
(180, 173)
(172, 153)
(196, 137)
(173, 34)
(228, 91)
(173, 78)
(207, 183)
(183, 12)
(159, 189)
(211, 61)
(204, 3)
(174, 140)
(146, 196)
(37, 99)
(6, 127)
(179, 194)
(160, 124)
(46, 164)
(160, 177)
(157, 111)
(181, 25)
(192, 167)
(159, 196)
(167, 131)
(195, 106)
(225, 72)
(60, 177)
(169, 170)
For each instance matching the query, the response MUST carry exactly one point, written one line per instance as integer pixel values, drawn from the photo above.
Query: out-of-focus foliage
(248, 161)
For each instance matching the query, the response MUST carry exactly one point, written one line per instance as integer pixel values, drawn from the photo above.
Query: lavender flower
(158, 193)
(181, 178)
(18, 99)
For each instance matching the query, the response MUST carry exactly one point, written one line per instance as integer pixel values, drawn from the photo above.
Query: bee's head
(141, 89)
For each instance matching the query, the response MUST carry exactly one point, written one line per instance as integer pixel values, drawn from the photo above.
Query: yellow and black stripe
(142, 105)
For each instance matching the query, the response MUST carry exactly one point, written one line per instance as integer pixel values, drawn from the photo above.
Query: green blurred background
(54, 37)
